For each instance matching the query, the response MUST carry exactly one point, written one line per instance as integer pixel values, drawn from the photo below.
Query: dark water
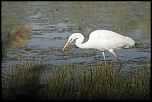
(53, 22)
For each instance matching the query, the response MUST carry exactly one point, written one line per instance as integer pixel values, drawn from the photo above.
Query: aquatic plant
(72, 82)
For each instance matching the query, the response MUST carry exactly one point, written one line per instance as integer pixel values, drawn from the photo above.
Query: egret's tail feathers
(128, 46)
(129, 42)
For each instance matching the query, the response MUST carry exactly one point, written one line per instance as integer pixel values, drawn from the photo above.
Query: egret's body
(102, 40)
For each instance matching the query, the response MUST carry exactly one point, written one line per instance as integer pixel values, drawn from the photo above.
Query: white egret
(103, 40)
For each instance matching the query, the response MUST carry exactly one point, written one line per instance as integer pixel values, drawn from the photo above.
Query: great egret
(102, 40)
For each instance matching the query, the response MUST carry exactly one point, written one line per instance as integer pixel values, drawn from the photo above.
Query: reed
(93, 83)
(69, 82)
(22, 81)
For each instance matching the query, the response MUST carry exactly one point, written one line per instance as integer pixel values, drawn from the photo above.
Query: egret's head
(71, 38)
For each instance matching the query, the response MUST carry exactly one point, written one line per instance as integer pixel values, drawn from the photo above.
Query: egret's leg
(104, 58)
(111, 50)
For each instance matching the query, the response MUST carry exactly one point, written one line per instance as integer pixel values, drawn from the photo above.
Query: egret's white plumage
(102, 40)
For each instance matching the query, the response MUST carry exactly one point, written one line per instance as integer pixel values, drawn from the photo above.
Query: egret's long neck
(80, 44)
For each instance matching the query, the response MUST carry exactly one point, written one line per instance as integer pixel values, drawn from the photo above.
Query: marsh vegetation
(68, 82)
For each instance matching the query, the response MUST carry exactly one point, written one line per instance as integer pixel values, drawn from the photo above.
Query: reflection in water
(17, 35)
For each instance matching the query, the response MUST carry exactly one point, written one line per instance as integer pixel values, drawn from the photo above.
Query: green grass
(68, 82)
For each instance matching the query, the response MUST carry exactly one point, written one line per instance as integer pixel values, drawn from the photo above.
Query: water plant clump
(22, 81)
(93, 83)
(69, 82)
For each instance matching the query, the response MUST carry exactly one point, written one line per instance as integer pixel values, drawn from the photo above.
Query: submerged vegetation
(27, 81)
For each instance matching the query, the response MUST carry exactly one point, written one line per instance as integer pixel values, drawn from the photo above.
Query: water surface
(53, 22)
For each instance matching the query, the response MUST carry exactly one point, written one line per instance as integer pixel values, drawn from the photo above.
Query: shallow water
(53, 22)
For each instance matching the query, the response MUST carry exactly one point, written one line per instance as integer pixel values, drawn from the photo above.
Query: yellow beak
(66, 45)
